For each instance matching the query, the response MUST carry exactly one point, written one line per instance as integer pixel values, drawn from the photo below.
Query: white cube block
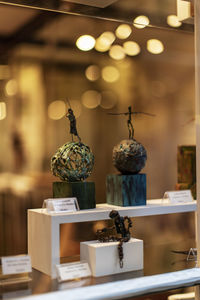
(104, 260)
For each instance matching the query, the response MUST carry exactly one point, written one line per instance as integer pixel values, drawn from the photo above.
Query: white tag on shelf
(72, 271)
(61, 204)
(182, 196)
(16, 264)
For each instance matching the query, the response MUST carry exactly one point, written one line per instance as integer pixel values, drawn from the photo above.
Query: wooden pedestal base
(126, 190)
(83, 191)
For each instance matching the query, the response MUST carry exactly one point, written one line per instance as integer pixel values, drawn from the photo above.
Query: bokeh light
(91, 99)
(173, 21)
(92, 73)
(57, 109)
(102, 44)
(85, 42)
(2, 110)
(141, 22)
(131, 48)
(11, 87)
(155, 46)
(110, 74)
(108, 99)
(117, 52)
(123, 31)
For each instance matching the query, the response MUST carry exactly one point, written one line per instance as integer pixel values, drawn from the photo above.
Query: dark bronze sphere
(129, 156)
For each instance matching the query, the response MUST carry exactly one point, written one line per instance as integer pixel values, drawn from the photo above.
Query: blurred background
(102, 59)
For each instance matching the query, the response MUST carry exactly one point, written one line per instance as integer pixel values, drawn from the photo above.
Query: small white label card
(61, 204)
(72, 271)
(16, 264)
(182, 196)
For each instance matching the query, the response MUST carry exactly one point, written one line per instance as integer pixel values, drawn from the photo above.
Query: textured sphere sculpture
(129, 156)
(72, 162)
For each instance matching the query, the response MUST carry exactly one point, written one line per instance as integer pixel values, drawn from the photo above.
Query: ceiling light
(85, 42)
(92, 73)
(56, 110)
(123, 31)
(91, 99)
(173, 21)
(155, 46)
(117, 52)
(141, 22)
(131, 48)
(110, 74)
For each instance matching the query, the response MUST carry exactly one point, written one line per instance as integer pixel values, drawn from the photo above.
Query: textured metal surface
(72, 162)
(129, 156)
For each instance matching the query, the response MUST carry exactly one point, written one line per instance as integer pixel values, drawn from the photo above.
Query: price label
(183, 196)
(72, 271)
(61, 204)
(16, 264)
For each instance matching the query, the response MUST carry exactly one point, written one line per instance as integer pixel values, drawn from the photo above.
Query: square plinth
(103, 258)
(83, 191)
(126, 190)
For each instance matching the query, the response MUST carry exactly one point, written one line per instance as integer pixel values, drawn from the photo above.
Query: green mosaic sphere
(72, 162)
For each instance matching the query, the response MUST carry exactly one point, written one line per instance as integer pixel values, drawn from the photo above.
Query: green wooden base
(126, 190)
(83, 191)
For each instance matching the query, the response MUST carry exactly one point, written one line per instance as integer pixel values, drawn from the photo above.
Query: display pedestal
(104, 260)
(126, 190)
(83, 191)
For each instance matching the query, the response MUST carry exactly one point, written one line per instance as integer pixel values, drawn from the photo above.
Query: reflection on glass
(85, 42)
(155, 46)
(173, 21)
(11, 87)
(141, 22)
(92, 73)
(91, 99)
(110, 74)
(117, 52)
(2, 110)
(131, 48)
(56, 110)
(123, 31)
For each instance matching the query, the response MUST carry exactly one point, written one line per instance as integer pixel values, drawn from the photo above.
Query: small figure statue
(120, 232)
(72, 119)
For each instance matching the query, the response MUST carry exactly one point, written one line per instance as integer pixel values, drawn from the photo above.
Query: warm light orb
(141, 22)
(123, 31)
(102, 44)
(85, 42)
(131, 48)
(117, 52)
(155, 46)
(11, 87)
(91, 99)
(110, 74)
(57, 109)
(173, 21)
(109, 35)
(92, 73)
(2, 110)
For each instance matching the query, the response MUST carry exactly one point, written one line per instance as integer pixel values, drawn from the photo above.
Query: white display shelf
(44, 227)
(101, 212)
